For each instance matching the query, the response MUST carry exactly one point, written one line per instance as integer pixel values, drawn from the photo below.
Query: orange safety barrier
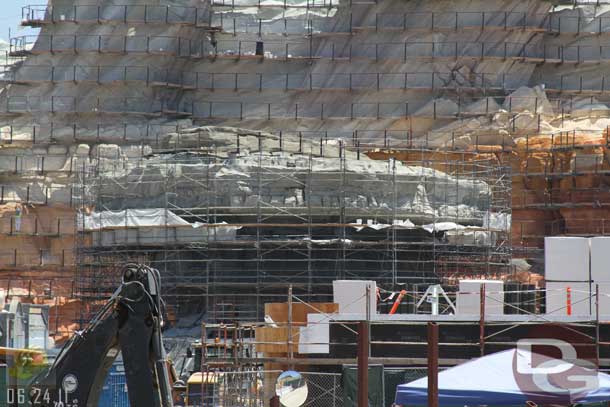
(398, 301)
(569, 301)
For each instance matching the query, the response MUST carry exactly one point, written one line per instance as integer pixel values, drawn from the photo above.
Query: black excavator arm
(130, 323)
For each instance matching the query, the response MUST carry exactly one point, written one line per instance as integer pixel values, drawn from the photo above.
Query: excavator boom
(129, 323)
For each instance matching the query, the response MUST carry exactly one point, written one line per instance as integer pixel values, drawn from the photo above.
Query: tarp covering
(151, 226)
(349, 382)
(511, 378)
(132, 218)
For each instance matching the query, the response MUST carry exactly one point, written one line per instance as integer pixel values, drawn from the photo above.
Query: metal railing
(536, 230)
(33, 193)
(157, 136)
(10, 133)
(260, 81)
(299, 81)
(101, 74)
(434, 21)
(164, 45)
(437, 108)
(308, 4)
(199, 16)
(324, 3)
(555, 198)
(355, 81)
(72, 104)
(127, 13)
(317, 48)
(286, 50)
(31, 225)
(458, 20)
(40, 164)
(37, 258)
(415, 21)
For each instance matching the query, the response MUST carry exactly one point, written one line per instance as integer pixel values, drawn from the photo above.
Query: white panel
(556, 298)
(600, 259)
(315, 337)
(351, 296)
(469, 297)
(566, 258)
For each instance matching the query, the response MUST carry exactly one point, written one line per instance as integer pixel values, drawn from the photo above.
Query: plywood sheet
(275, 340)
(278, 311)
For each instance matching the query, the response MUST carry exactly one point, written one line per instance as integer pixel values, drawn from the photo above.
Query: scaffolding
(240, 249)
(312, 48)
(290, 214)
(567, 176)
(356, 20)
(472, 82)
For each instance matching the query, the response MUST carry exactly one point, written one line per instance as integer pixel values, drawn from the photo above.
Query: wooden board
(271, 340)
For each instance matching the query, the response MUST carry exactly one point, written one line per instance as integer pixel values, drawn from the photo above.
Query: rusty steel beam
(363, 364)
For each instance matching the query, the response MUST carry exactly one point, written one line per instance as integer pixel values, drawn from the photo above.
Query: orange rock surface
(560, 183)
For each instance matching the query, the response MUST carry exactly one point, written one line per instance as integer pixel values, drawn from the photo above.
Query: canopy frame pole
(432, 364)
(364, 351)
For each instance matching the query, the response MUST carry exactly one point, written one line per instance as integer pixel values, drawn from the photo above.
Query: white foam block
(556, 298)
(351, 296)
(600, 259)
(566, 258)
(604, 301)
(469, 297)
(315, 337)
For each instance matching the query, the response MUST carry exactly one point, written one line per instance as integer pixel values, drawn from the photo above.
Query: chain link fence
(324, 390)
(256, 388)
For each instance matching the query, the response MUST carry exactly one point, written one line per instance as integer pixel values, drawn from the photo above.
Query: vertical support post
(482, 320)
(432, 364)
(203, 361)
(290, 351)
(597, 324)
(363, 363)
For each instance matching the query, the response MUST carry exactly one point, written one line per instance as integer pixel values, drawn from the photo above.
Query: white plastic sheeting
(370, 223)
(152, 227)
(130, 218)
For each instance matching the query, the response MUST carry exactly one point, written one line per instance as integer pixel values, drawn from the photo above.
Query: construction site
(294, 168)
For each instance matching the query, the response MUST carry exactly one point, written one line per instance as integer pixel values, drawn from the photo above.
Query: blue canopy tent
(507, 378)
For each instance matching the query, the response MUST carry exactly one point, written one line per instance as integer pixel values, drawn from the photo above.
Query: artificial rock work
(145, 106)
